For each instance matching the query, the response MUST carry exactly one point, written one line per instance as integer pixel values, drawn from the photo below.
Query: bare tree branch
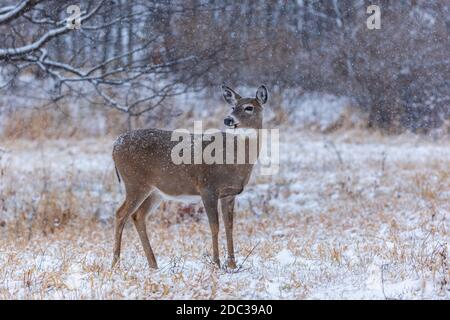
(127, 57)
(8, 52)
(7, 14)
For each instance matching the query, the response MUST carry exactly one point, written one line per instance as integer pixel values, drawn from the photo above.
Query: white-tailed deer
(143, 161)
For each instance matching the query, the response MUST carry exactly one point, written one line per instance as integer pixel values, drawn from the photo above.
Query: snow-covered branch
(8, 52)
(39, 43)
(7, 14)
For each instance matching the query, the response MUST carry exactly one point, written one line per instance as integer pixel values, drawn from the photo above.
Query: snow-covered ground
(349, 215)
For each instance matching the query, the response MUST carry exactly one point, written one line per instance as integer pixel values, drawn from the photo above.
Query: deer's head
(246, 112)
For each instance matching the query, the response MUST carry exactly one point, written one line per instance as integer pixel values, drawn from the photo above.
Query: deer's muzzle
(229, 122)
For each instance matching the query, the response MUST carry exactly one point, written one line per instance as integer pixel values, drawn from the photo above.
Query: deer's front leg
(227, 205)
(210, 201)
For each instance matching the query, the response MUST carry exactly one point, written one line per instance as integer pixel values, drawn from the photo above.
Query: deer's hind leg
(149, 204)
(134, 199)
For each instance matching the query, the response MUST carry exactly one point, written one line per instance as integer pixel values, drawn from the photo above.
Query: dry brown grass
(369, 225)
(44, 122)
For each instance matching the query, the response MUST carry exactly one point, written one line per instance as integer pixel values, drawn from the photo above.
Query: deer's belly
(181, 198)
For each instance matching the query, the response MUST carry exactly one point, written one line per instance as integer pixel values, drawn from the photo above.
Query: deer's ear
(262, 94)
(230, 96)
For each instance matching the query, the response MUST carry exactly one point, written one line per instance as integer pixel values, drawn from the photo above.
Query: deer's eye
(249, 109)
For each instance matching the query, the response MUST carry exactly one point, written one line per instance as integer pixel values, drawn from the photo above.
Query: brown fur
(143, 160)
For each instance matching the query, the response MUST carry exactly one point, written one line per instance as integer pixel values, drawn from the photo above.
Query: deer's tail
(117, 174)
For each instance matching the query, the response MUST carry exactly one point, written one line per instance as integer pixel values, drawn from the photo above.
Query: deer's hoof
(114, 262)
(231, 264)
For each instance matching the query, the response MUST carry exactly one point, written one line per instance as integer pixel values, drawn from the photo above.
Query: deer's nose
(228, 121)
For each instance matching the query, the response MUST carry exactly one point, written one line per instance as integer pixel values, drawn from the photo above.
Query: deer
(142, 160)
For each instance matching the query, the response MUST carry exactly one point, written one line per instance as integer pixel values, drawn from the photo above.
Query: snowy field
(352, 215)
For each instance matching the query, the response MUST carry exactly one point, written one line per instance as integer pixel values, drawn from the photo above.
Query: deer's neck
(256, 144)
(259, 138)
